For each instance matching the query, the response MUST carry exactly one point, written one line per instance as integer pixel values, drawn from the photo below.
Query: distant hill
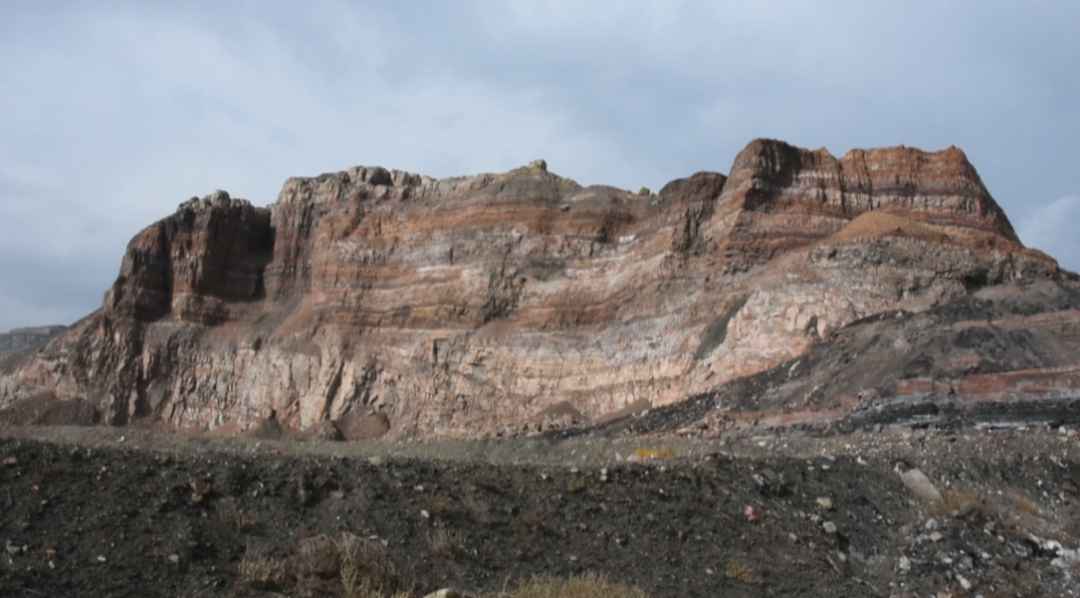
(21, 338)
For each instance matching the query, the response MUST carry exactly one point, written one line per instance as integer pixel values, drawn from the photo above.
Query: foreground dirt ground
(112, 512)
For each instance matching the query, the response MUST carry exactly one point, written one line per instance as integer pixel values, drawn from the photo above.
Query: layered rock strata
(1006, 355)
(464, 306)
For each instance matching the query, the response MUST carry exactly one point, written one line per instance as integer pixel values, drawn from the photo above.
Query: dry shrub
(1024, 504)
(1020, 516)
(369, 560)
(955, 499)
(355, 586)
(318, 556)
(741, 573)
(321, 563)
(436, 504)
(229, 513)
(446, 544)
(484, 479)
(589, 585)
(532, 520)
(258, 571)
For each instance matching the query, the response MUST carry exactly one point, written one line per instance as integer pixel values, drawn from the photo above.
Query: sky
(112, 113)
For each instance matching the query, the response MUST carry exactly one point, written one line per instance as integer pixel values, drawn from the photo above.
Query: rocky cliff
(467, 306)
(24, 338)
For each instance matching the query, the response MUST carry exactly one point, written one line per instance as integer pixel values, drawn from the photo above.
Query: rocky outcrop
(1005, 355)
(23, 338)
(196, 265)
(466, 306)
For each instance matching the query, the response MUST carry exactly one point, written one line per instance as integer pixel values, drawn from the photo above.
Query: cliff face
(464, 306)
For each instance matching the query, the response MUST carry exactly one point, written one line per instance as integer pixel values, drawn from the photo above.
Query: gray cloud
(115, 113)
(1053, 229)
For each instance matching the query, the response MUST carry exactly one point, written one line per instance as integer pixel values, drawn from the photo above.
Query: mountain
(23, 338)
(800, 288)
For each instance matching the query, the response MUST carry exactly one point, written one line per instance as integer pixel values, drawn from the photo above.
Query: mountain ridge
(18, 339)
(465, 306)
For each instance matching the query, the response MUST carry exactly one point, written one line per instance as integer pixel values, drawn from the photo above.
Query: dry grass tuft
(232, 515)
(354, 585)
(1024, 504)
(575, 484)
(532, 521)
(589, 585)
(446, 544)
(741, 573)
(484, 479)
(964, 502)
(436, 504)
(317, 556)
(258, 571)
(660, 452)
(369, 560)
(1020, 516)
(324, 565)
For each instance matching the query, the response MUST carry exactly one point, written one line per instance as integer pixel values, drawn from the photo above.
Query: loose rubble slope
(89, 511)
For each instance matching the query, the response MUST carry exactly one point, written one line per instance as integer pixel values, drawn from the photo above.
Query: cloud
(1052, 228)
(113, 113)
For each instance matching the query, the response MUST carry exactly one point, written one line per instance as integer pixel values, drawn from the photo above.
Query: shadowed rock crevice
(716, 332)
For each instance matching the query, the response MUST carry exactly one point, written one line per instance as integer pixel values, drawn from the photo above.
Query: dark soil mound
(45, 409)
(239, 517)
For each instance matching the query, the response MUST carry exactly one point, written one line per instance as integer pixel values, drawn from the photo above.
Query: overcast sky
(112, 115)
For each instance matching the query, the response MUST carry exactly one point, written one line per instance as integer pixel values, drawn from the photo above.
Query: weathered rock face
(469, 305)
(23, 338)
(208, 256)
(1004, 355)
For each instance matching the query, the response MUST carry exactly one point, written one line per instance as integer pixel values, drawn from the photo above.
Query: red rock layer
(780, 197)
(467, 305)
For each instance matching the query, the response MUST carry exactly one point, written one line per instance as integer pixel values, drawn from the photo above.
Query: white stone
(920, 485)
